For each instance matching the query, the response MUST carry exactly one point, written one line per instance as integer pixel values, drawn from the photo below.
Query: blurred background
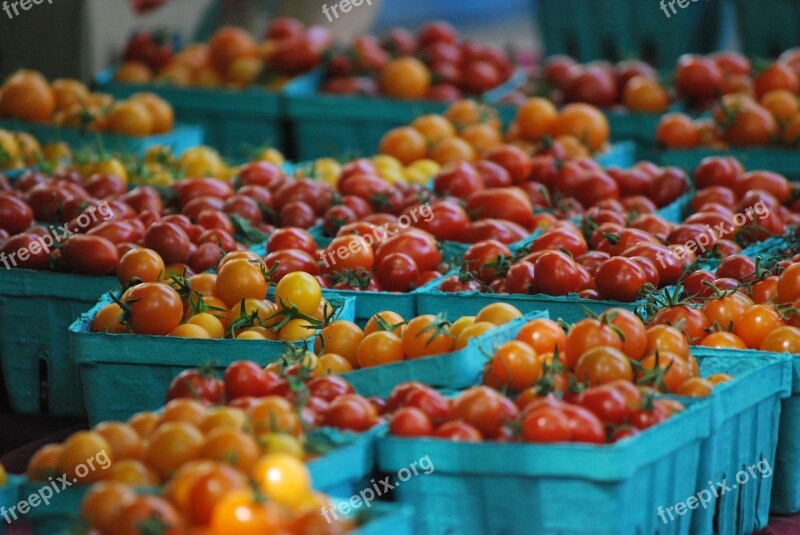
(80, 37)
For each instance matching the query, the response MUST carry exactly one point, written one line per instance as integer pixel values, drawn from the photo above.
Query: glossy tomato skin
(397, 272)
(91, 255)
(288, 261)
(556, 274)
(481, 259)
(26, 250)
(447, 220)
(459, 179)
(15, 215)
(417, 244)
(620, 279)
(193, 384)
(169, 240)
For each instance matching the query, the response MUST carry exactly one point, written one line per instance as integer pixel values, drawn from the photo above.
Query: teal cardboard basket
(235, 121)
(778, 160)
(386, 519)
(123, 374)
(39, 374)
(786, 479)
(629, 29)
(511, 488)
(570, 308)
(678, 210)
(182, 137)
(745, 415)
(347, 469)
(9, 496)
(768, 27)
(451, 371)
(346, 125)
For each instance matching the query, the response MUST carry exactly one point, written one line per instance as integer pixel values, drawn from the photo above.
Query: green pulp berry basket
(511, 488)
(346, 468)
(745, 415)
(452, 371)
(620, 29)
(236, 122)
(786, 480)
(9, 496)
(36, 309)
(768, 27)
(125, 373)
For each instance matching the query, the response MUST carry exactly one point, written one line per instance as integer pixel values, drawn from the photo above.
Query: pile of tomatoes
(752, 206)
(212, 462)
(232, 58)
(28, 96)
(469, 131)
(632, 84)
(86, 226)
(388, 338)
(752, 110)
(610, 256)
(743, 305)
(229, 303)
(434, 65)
(598, 382)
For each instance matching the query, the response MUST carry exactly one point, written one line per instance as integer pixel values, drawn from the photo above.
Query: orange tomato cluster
(388, 338)
(752, 110)
(469, 131)
(232, 58)
(758, 314)
(210, 462)
(632, 83)
(616, 346)
(28, 96)
(230, 303)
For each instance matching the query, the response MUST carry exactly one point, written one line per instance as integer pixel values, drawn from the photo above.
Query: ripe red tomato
(620, 279)
(459, 179)
(90, 255)
(247, 379)
(196, 384)
(169, 240)
(351, 412)
(15, 215)
(417, 244)
(482, 259)
(397, 272)
(410, 422)
(556, 274)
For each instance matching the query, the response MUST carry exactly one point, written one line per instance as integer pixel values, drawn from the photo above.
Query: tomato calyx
(656, 299)
(501, 265)
(383, 325)
(358, 278)
(547, 383)
(654, 377)
(197, 304)
(249, 234)
(289, 312)
(127, 311)
(154, 525)
(440, 325)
